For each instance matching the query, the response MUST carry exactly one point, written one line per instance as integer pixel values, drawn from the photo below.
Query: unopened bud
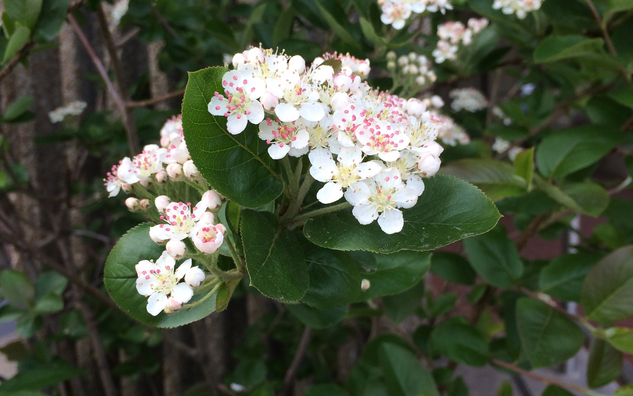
(365, 284)
(164, 141)
(429, 164)
(391, 65)
(194, 277)
(413, 69)
(172, 306)
(161, 202)
(255, 55)
(405, 69)
(220, 228)
(391, 56)
(269, 101)
(436, 101)
(176, 248)
(297, 63)
(211, 199)
(190, 169)
(403, 61)
(364, 69)
(154, 235)
(420, 80)
(161, 176)
(145, 182)
(126, 187)
(413, 56)
(433, 147)
(206, 218)
(174, 171)
(145, 204)
(132, 204)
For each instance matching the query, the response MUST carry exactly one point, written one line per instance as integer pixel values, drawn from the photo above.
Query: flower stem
(203, 299)
(300, 220)
(295, 206)
(292, 184)
(236, 258)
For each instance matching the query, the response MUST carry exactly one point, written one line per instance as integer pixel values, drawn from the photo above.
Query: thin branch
(299, 220)
(530, 231)
(296, 361)
(128, 36)
(549, 301)
(24, 51)
(149, 102)
(164, 22)
(605, 34)
(494, 93)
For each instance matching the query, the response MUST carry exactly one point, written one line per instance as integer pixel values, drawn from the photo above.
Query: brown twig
(291, 373)
(164, 22)
(131, 133)
(605, 34)
(148, 102)
(530, 231)
(16, 59)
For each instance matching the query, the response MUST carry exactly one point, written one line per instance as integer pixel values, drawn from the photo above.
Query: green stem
(236, 258)
(295, 206)
(194, 185)
(285, 162)
(207, 284)
(203, 299)
(299, 220)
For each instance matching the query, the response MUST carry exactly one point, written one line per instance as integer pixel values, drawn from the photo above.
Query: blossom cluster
(412, 70)
(469, 99)
(71, 109)
(396, 12)
(453, 34)
(518, 7)
(371, 147)
(448, 131)
(501, 146)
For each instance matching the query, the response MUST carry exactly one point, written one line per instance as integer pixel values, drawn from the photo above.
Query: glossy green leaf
(394, 273)
(495, 258)
(19, 37)
(460, 342)
(453, 268)
(334, 278)
(540, 329)
(120, 281)
(41, 377)
(51, 20)
(563, 277)
(555, 48)
(495, 178)
(17, 289)
(274, 258)
(524, 165)
(619, 5)
(224, 294)
(399, 306)
(318, 318)
(17, 108)
(604, 365)
(405, 376)
(24, 11)
(553, 390)
(238, 166)
(569, 150)
(621, 338)
(591, 198)
(607, 292)
(449, 210)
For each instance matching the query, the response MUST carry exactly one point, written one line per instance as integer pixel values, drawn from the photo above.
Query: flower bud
(174, 171)
(211, 199)
(339, 101)
(436, 101)
(414, 107)
(132, 204)
(413, 69)
(164, 141)
(126, 187)
(434, 148)
(172, 306)
(255, 55)
(269, 101)
(429, 164)
(207, 218)
(176, 248)
(238, 59)
(365, 284)
(194, 277)
(297, 63)
(391, 65)
(154, 235)
(431, 76)
(405, 69)
(420, 80)
(145, 204)
(422, 60)
(145, 182)
(391, 56)
(190, 169)
(403, 61)
(161, 203)
(161, 176)
(364, 69)
(220, 228)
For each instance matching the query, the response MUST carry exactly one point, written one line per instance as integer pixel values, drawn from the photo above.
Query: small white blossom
(468, 99)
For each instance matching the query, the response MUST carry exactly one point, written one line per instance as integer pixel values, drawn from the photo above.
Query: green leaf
(28, 325)
(458, 388)
(17, 289)
(255, 17)
(24, 11)
(621, 338)
(505, 389)
(49, 303)
(442, 304)
(460, 342)
(73, 325)
(554, 390)
(495, 178)
(604, 365)
(283, 27)
(540, 329)
(449, 210)
(398, 307)
(607, 293)
(394, 273)
(16, 41)
(569, 150)
(563, 277)
(591, 198)
(405, 376)
(238, 166)
(495, 258)
(224, 294)
(9, 313)
(51, 20)
(524, 165)
(555, 48)
(8, 24)
(619, 5)
(626, 390)
(370, 32)
(622, 95)
(337, 25)
(453, 268)
(334, 278)
(50, 282)
(42, 377)
(274, 258)
(326, 390)
(120, 281)
(17, 108)
(318, 318)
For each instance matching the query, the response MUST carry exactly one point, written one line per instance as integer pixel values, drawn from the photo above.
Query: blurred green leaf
(553, 390)
(50, 282)
(555, 48)
(604, 365)
(460, 342)
(326, 390)
(24, 11)
(17, 289)
(524, 165)
(336, 18)
(17, 108)
(620, 338)
(405, 376)
(51, 20)
(505, 389)
(19, 37)
(399, 306)
(453, 268)
(317, 318)
(563, 277)
(619, 5)
(49, 303)
(38, 378)
(495, 178)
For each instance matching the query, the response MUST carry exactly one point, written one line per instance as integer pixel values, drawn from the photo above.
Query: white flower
(284, 138)
(180, 221)
(379, 198)
(382, 138)
(206, 236)
(348, 169)
(395, 13)
(72, 108)
(518, 7)
(468, 99)
(298, 99)
(240, 104)
(112, 182)
(500, 145)
(171, 130)
(444, 51)
(159, 282)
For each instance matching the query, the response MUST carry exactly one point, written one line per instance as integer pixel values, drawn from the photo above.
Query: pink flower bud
(220, 228)
(339, 101)
(155, 235)
(429, 164)
(132, 204)
(161, 203)
(269, 101)
(176, 249)
(190, 169)
(297, 64)
(174, 171)
(126, 187)
(433, 148)
(164, 141)
(365, 284)
(414, 107)
(161, 176)
(145, 182)
(238, 59)
(145, 204)
(206, 218)
(194, 277)
(172, 306)
(211, 199)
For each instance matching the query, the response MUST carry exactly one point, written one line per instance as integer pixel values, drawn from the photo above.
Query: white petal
(298, 152)
(255, 88)
(236, 123)
(322, 169)
(144, 267)
(349, 156)
(144, 286)
(276, 151)
(330, 192)
(312, 111)
(156, 303)
(406, 197)
(389, 156)
(217, 106)
(182, 293)
(302, 139)
(365, 214)
(369, 169)
(358, 193)
(391, 221)
(183, 268)
(256, 112)
(415, 182)
(166, 262)
(287, 112)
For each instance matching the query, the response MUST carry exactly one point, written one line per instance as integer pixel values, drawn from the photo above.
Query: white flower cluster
(72, 108)
(369, 146)
(396, 12)
(411, 70)
(501, 145)
(449, 132)
(468, 99)
(518, 7)
(452, 34)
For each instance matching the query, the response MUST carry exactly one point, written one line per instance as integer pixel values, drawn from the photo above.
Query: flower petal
(287, 112)
(278, 151)
(156, 303)
(256, 112)
(183, 268)
(182, 293)
(365, 214)
(312, 111)
(236, 123)
(391, 221)
(330, 192)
